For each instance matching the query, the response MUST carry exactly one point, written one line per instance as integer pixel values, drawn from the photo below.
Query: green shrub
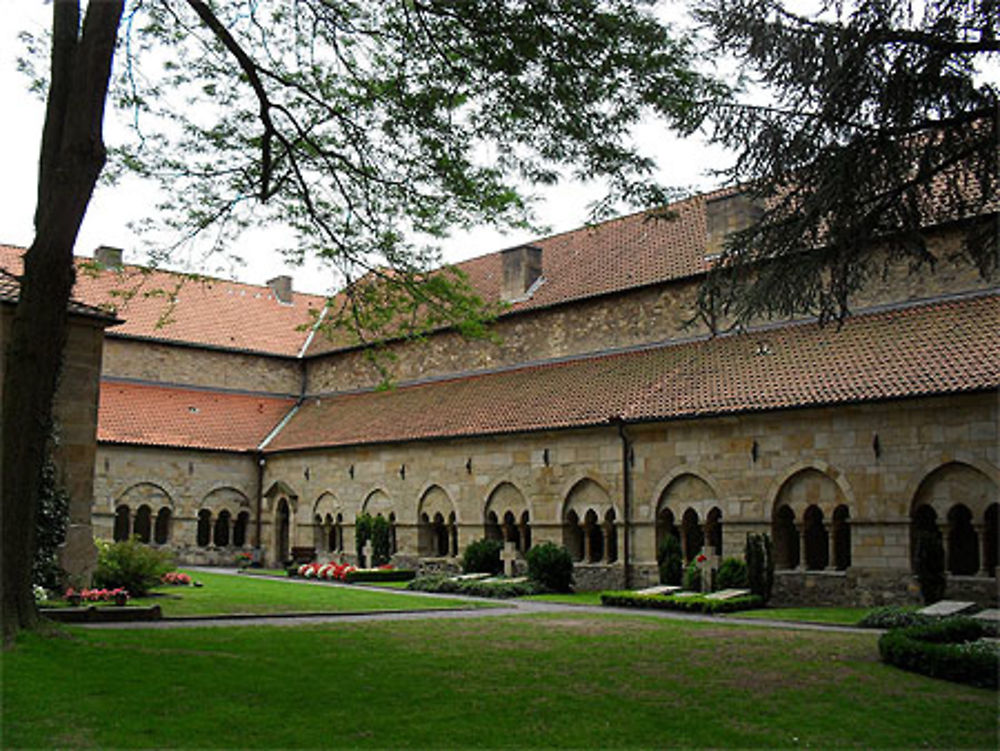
(692, 578)
(894, 616)
(381, 543)
(51, 519)
(362, 533)
(695, 604)
(482, 557)
(760, 565)
(670, 561)
(948, 649)
(446, 584)
(732, 574)
(930, 566)
(132, 565)
(551, 567)
(380, 575)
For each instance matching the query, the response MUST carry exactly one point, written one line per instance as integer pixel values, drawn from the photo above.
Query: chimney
(108, 257)
(281, 286)
(728, 214)
(522, 267)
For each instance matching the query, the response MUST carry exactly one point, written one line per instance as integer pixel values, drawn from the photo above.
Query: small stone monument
(366, 554)
(508, 556)
(944, 608)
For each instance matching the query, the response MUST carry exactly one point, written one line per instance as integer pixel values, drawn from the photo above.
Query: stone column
(981, 537)
(801, 527)
(946, 544)
(831, 544)
(586, 542)
(606, 531)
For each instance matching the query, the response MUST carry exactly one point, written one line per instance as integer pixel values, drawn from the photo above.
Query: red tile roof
(946, 347)
(10, 292)
(213, 312)
(147, 415)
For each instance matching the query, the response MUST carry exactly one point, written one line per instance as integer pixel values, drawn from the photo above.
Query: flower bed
(324, 571)
(950, 649)
(176, 579)
(118, 594)
(691, 604)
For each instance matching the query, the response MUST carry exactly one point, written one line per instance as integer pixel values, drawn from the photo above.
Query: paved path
(502, 608)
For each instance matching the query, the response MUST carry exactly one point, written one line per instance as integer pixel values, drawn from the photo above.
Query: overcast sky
(564, 207)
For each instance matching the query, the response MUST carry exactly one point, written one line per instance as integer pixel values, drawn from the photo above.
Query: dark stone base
(858, 587)
(596, 576)
(95, 614)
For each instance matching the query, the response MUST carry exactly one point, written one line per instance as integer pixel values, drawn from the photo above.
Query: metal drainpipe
(261, 462)
(626, 499)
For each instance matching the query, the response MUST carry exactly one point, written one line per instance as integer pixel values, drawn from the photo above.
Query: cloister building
(603, 417)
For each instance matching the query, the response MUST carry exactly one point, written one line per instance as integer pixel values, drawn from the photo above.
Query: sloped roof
(210, 312)
(945, 347)
(154, 415)
(10, 292)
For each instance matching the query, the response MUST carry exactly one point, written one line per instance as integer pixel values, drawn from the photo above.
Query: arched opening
(392, 534)
(452, 535)
(240, 529)
(491, 528)
(841, 538)
(525, 525)
(222, 529)
(786, 538)
(692, 536)
(817, 553)
(990, 539)
(573, 536)
(511, 532)
(320, 536)
(161, 529)
(204, 535)
(924, 522)
(143, 522)
(593, 537)
(122, 522)
(283, 518)
(339, 525)
(963, 543)
(610, 537)
(439, 533)
(425, 536)
(713, 530)
(665, 525)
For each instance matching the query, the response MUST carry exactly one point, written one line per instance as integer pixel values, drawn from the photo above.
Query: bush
(692, 577)
(893, 616)
(362, 533)
(482, 557)
(381, 543)
(670, 562)
(551, 567)
(446, 584)
(695, 604)
(732, 574)
(131, 565)
(51, 519)
(948, 649)
(760, 565)
(930, 566)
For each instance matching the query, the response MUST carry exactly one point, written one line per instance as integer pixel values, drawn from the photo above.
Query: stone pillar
(586, 542)
(946, 544)
(801, 527)
(606, 531)
(831, 544)
(981, 537)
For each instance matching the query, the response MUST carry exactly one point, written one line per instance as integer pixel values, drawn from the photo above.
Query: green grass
(840, 616)
(225, 594)
(573, 680)
(575, 598)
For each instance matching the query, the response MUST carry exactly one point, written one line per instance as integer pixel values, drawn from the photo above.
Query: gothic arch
(953, 482)
(928, 468)
(437, 523)
(686, 489)
(811, 483)
(277, 490)
(507, 516)
(377, 502)
(434, 500)
(584, 494)
(496, 487)
(327, 503)
(148, 493)
(225, 498)
(695, 470)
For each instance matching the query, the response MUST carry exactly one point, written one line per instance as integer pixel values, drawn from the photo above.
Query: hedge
(444, 584)
(948, 649)
(694, 604)
(379, 575)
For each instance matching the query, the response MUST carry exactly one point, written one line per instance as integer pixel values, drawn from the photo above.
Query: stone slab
(727, 594)
(947, 607)
(470, 577)
(506, 579)
(687, 594)
(990, 615)
(662, 589)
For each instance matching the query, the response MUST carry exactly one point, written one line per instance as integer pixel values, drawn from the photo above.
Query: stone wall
(165, 363)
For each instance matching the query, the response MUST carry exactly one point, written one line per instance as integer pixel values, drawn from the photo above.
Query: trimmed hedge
(445, 584)
(380, 575)
(948, 649)
(695, 604)
(894, 616)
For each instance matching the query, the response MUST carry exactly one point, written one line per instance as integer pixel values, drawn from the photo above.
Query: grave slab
(990, 615)
(947, 607)
(727, 594)
(469, 577)
(663, 589)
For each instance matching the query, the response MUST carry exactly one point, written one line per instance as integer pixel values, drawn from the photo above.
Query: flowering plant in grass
(327, 571)
(244, 559)
(176, 578)
(97, 595)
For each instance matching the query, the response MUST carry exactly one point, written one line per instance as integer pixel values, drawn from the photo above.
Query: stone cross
(508, 556)
(366, 554)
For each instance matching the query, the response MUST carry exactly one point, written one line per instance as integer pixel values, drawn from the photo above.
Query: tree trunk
(72, 156)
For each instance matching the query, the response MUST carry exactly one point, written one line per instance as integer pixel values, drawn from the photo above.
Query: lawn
(574, 598)
(840, 616)
(229, 594)
(566, 680)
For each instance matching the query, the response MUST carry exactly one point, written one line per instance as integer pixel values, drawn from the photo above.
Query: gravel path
(506, 608)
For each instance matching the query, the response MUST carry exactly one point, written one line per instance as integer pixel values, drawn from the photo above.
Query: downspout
(261, 463)
(626, 499)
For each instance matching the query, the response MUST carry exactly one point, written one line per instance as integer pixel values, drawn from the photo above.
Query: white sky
(682, 163)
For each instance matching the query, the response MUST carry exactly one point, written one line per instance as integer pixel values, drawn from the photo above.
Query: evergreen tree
(881, 122)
